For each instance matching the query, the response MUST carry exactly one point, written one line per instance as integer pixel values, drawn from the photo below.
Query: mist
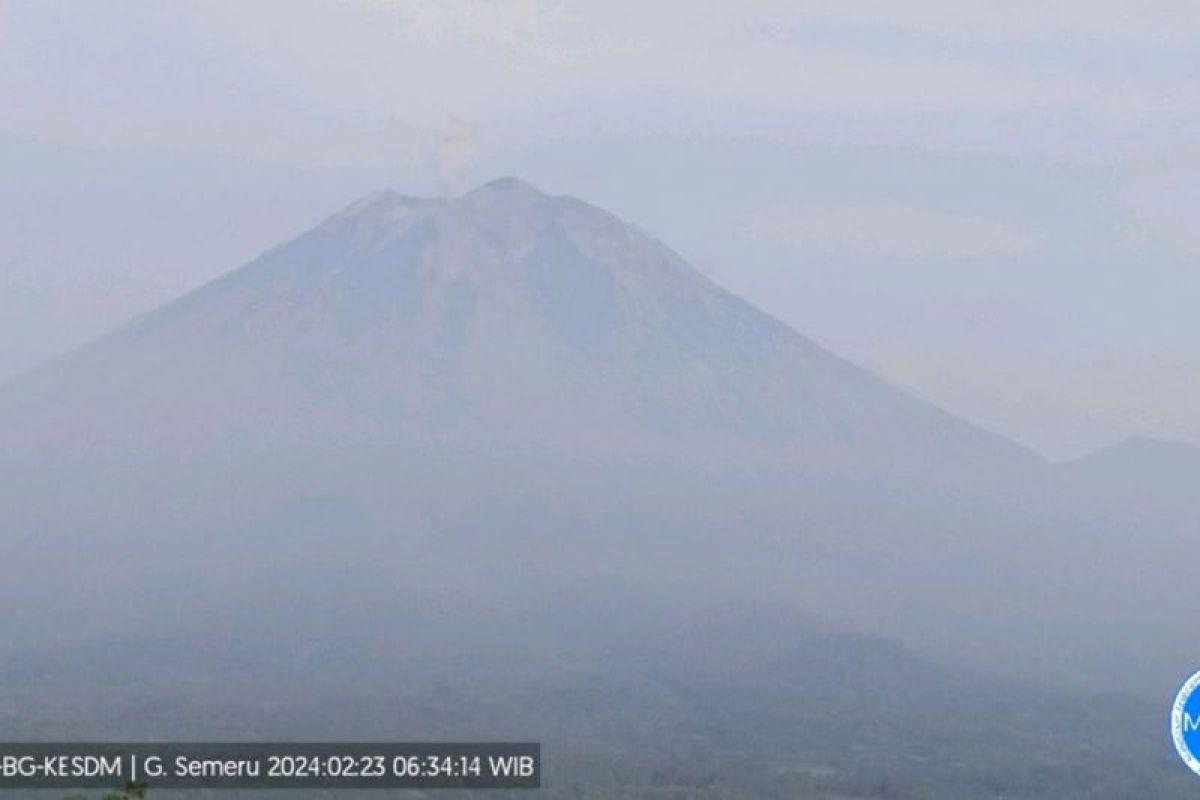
(781, 402)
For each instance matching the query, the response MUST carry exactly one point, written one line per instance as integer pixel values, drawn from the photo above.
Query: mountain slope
(503, 317)
(1139, 477)
(433, 408)
(1141, 460)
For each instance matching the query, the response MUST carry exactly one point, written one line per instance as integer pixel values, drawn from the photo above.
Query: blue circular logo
(1185, 723)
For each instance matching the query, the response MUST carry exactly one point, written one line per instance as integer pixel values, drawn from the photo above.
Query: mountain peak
(504, 317)
(503, 201)
(373, 202)
(386, 208)
(507, 185)
(380, 211)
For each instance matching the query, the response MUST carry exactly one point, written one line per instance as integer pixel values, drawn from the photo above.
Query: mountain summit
(505, 317)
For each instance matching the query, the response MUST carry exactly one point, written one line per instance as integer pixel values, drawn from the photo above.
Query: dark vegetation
(838, 717)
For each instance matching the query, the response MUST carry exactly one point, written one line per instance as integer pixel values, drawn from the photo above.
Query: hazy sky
(992, 203)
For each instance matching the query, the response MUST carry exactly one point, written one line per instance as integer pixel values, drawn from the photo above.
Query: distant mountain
(502, 318)
(1142, 456)
(1140, 469)
(510, 428)
(508, 397)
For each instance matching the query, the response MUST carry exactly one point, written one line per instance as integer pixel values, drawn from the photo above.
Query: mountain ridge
(1142, 446)
(503, 310)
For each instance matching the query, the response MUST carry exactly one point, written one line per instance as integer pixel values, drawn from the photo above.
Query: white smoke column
(456, 148)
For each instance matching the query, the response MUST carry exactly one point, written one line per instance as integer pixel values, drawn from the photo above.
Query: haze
(782, 400)
(990, 206)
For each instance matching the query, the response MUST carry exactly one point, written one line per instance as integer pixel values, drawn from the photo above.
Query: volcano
(510, 424)
(502, 319)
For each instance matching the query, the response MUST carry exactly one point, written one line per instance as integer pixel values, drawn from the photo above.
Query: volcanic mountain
(511, 420)
(504, 318)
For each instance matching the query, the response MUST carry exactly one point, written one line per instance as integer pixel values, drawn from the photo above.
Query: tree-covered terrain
(838, 717)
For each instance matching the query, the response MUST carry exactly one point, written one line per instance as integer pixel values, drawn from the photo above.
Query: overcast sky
(991, 203)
